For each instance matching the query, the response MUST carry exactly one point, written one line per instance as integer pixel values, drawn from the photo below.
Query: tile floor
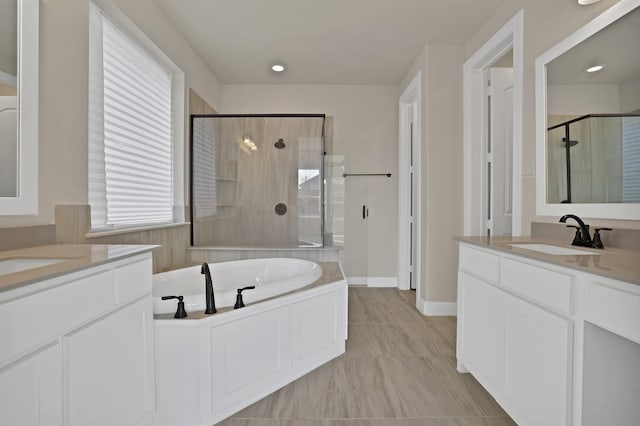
(398, 370)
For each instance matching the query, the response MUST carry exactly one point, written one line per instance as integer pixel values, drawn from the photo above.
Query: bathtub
(271, 277)
(208, 367)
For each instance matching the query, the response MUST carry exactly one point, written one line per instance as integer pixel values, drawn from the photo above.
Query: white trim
(630, 211)
(357, 280)
(382, 282)
(510, 36)
(410, 97)
(26, 203)
(437, 309)
(373, 281)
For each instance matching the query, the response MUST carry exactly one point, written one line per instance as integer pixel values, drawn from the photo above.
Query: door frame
(510, 36)
(410, 100)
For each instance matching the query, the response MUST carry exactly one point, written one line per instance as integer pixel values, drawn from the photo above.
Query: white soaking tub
(208, 367)
(271, 277)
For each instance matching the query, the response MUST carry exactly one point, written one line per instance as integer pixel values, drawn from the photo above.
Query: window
(130, 130)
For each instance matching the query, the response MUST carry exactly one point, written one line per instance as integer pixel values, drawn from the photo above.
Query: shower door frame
(322, 162)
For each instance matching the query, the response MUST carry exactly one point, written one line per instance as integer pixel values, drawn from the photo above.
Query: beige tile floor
(398, 370)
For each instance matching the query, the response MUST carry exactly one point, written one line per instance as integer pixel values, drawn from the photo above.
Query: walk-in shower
(257, 180)
(594, 158)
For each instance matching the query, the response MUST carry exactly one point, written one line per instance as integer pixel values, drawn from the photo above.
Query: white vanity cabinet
(552, 344)
(510, 339)
(77, 349)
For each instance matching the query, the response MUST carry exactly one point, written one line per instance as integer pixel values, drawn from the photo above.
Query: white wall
(64, 38)
(441, 162)
(630, 95)
(366, 133)
(582, 99)
(546, 22)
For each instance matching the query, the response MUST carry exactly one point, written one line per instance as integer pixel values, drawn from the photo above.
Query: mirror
(588, 119)
(8, 98)
(18, 106)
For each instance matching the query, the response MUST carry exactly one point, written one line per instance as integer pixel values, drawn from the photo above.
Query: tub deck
(331, 272)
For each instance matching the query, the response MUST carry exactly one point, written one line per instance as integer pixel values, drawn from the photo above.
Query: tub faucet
(208, 286)
(582, 237)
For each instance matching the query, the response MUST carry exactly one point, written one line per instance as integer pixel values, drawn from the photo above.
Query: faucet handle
(181, 312)
(597, 242)
(239, 302)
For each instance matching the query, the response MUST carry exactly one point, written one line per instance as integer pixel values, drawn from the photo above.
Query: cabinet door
(318, 331)
(109, 369)
(31, 391)
(537, 375)
(248, 355)
(481, 331)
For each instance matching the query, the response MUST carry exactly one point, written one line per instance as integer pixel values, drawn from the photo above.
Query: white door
(499, 165)
(412, 203)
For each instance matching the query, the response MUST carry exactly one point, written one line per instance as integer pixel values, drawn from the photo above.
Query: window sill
(107, 233)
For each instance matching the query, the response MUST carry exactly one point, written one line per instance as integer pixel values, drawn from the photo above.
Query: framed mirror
(588, 119)
(19, 107)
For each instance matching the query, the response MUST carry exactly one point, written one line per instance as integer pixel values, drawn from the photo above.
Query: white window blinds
(130, 131)
(204, 168)
(631, 159)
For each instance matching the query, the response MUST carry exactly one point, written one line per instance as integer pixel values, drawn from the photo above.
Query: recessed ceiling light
(278, 68)
(595, 68)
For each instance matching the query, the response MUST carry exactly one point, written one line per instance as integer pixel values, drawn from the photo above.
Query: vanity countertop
(623, 265)
(75, 257)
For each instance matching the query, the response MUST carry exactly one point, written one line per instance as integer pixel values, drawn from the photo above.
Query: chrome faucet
(582, 237)
(208, 286)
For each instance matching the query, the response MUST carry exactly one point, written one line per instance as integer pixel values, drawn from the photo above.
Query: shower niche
(257, 181)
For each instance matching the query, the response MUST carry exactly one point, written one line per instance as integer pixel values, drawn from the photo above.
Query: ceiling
(321, 41)
(615, 47)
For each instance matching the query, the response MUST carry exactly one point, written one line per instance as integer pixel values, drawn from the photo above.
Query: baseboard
(373, 281)
(382, 282)
(438, 309)
(357, 280)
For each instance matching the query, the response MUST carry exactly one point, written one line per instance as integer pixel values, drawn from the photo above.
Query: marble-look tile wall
(320, 254)
(596, 160)
(73, 224)
(251, 176)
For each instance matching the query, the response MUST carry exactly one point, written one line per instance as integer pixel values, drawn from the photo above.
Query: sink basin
(16, 264)
(549, 249)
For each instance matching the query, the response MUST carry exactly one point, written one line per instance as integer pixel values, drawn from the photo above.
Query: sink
(549, 249)
(16, 264)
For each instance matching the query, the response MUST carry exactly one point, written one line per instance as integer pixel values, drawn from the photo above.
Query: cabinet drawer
(132, 281)
(551, 288)
(479, 263)
(35, 320)
(615, 310)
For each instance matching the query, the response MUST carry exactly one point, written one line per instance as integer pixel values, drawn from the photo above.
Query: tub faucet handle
(181, 312)
(239, 303)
